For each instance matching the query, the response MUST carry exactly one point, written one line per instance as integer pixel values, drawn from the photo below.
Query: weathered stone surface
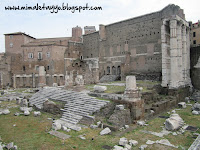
(10, 145)
(120, 118)
(119, 107)
(17, 114)
(100, 89)
(105, 131)
(51, 107)
(159, 134)
(196, 107)
(1, 148)
(149, 142)
(15, 147)
(182, 105)
(194, 112)
(174, 122)
(123, 141)
(92, 126)
(24, 103)
(166, 142)
(37, 113)
(133, 142)
(56, 126)
(5, 111)
(26, 109)
(128, 146)
(141, 123)
(26, 113)
(59, 135)
(142, 147)
(116, 147)
(126, 126)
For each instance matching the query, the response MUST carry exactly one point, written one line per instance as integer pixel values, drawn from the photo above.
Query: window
(37, 67)
(39, 55)
(48, 67)
(11, 45)
(194, 34)
(30, 55)
(81, 57)
(24, 68)
(48, 54)
(11, 36)
(194, 42)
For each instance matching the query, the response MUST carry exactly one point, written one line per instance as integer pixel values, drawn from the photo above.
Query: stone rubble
(196, 109)
(100, 89)
(133, 142)
(142, 147)
(26, 113)
(182, 105)
(105, 131)
(119, 107)
(37, 113)
(56, 126)
(123, 141)
(175, 122)
(5, 111)
(159, 134)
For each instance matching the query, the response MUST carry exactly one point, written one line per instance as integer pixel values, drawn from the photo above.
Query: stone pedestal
(42, 76)
(132, 95)
(131, 92)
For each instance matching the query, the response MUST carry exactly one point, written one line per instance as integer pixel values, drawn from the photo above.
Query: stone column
(14, 81)
(179, 54)
(165, 57)
(33, 77)
(174, 73)
(188, 80)
(184, 54)
(42, 76)
(132, 96)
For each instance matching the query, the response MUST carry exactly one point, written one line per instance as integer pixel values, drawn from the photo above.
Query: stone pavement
(78, 105)
(59, 135)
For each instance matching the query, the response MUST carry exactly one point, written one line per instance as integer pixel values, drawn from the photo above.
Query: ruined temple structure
(154, 46)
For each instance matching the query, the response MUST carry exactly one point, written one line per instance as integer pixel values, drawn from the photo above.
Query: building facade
(155, 46)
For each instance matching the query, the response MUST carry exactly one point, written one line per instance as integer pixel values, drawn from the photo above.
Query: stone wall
(136, 45)
(195, 68)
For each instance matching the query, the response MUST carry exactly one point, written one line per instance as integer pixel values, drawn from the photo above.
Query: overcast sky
(43, 24)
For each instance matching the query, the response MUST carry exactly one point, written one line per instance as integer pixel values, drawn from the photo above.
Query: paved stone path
(59, 135)
(78, 105)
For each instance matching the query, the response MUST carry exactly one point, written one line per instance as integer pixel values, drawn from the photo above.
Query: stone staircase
(78, 105)
(109, 78)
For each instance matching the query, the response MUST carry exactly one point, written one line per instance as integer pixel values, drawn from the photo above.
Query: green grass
(30, 133)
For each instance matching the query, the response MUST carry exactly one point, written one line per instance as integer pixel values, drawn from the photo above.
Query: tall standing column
(188, 57)
(179, 55)
(174, 83)
(165, 57)
(42, 76)
(184, 54)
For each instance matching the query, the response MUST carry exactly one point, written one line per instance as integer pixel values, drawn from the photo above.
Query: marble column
(174, 80)
(165, 57)
(42, 76)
